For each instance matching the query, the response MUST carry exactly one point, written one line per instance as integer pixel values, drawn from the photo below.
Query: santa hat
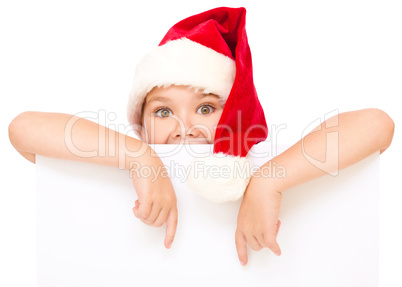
(210, 51)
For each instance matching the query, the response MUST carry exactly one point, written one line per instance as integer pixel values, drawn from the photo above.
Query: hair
(142, 113)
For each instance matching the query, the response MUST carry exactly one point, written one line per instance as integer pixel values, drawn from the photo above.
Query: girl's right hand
(157, 201)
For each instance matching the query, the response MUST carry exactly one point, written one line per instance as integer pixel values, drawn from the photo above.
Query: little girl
(186, 91)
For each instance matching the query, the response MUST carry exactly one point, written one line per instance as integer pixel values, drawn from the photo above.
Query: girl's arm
(69, 137)
(335, 144)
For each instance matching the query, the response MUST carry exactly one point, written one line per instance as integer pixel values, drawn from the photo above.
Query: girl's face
(179, 115)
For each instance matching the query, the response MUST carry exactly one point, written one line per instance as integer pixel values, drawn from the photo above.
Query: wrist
(271, 176)
(138, 153)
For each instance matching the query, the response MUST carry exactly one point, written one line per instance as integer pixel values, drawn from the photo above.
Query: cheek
(158, 131)
(212, 122)
(216, 118)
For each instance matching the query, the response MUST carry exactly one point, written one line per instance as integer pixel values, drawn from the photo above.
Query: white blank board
(88, 235)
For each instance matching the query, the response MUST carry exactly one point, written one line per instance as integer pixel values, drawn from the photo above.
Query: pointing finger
(241, 247)
(171, 226)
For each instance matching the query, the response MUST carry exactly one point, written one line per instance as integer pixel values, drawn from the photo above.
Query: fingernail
(277, 253)
(242, 262)
(170, 245)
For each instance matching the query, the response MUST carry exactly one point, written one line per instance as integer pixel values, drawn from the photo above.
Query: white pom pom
(220, 177)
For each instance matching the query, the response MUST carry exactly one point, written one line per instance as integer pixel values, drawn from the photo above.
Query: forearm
(335, 144)
(69, 137)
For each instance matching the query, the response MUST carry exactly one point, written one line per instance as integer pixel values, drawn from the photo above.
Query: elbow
(384, 128)
(14, 130)
(18, 128)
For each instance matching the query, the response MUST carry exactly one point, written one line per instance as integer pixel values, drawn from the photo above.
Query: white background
(309, 57)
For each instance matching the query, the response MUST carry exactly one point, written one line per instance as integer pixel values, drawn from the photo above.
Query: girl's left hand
(257, 222)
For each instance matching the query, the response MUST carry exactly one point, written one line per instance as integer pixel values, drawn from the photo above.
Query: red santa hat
(210, 51)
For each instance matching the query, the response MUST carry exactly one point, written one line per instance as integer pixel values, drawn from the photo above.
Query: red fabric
(242, 123)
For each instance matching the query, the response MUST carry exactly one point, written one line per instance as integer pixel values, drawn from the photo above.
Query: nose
(185, 129)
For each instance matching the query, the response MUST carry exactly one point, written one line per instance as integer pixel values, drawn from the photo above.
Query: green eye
(205, 109)
(163, 113)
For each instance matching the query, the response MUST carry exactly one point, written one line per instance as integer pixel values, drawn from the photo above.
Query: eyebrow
(159, 98)
(162, 98)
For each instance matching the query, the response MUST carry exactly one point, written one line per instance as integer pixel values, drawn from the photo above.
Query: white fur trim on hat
(180, 62)
(220, 177)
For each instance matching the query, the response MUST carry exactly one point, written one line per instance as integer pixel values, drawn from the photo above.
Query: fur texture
(220, 177)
